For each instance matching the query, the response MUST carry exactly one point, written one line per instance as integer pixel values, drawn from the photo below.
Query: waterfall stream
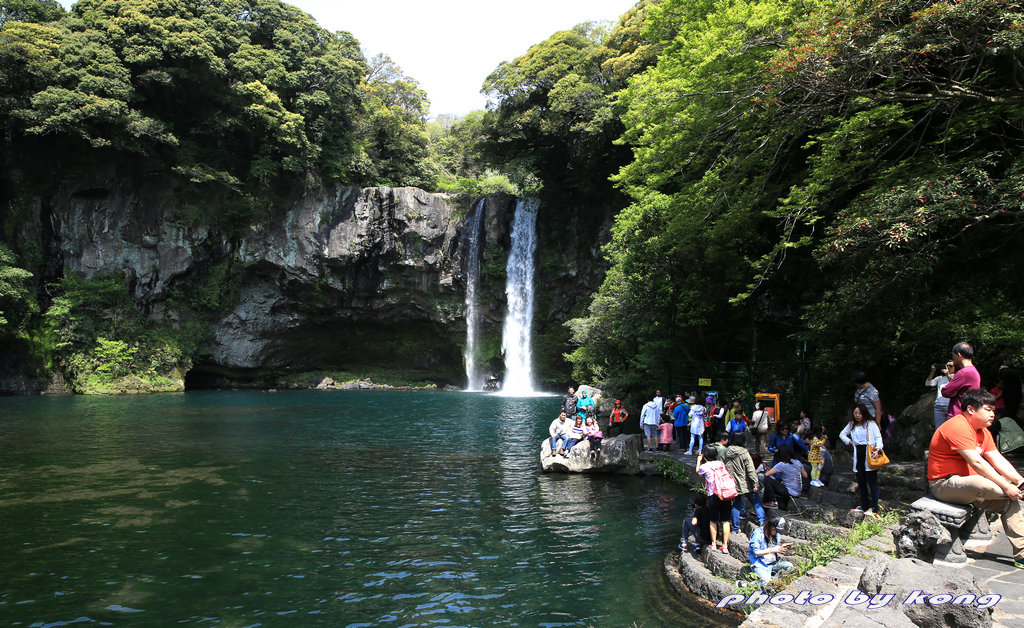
(474, 226)
(515, 340)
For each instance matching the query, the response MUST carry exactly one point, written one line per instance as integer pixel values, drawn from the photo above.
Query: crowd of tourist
(733, 452)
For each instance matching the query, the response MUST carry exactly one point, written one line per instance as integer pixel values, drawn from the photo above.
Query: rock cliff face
(345, 277)
(340, 278)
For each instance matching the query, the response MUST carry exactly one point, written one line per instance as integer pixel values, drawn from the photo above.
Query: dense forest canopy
(846, 173)
(840, 176)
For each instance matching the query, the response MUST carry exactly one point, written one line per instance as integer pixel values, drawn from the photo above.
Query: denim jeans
(766, 572)
(739, 509)
(700, 441)
(690, 529)
(554, 441)
(867, 481)
(572, 441)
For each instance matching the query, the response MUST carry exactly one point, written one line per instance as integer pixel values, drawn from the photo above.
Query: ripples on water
(318, 508)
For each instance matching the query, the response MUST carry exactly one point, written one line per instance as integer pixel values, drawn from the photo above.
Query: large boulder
(918, 534)
(619, 454)
(914, 428)
(916, 587)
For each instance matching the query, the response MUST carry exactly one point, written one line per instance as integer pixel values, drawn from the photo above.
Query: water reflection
(330, 509)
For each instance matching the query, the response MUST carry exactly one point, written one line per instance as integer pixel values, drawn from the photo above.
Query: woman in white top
(861, 432)
(941, 403)
(697, 416)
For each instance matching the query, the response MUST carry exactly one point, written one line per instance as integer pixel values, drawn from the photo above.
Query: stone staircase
(820, 513)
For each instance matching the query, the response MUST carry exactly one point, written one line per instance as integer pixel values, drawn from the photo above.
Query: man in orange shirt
(965, 467)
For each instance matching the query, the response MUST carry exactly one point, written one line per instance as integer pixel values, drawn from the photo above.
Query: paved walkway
(993, 566)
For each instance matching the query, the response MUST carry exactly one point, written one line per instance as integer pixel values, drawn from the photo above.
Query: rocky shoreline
(836, 590)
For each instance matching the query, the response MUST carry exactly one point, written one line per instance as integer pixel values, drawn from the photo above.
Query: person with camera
(941, 412)
(764, 550)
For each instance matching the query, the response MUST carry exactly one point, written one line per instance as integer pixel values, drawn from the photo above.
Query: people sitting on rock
(592, 432)
(559, 432)
(765, 549)
(741, 467)
(617, 417)
(665, 433)
(697, 417)
(860, 432)
(584, 403)
(783, 437)
(708, 466)
(965, 467)
(575, 433)
(698, 525)
(784, 479)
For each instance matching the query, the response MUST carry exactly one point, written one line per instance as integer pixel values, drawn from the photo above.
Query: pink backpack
(720, 483)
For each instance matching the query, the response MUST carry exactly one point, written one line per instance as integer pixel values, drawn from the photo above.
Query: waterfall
(473, 228)
(515, 340)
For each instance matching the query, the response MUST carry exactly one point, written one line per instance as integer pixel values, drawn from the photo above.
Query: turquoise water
(325, 508)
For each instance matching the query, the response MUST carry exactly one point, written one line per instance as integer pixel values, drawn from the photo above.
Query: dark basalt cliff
(344, 279)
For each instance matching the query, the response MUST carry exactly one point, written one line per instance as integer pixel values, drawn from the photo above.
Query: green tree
(392, 132)
(16, 300)
(829, 172)
(701, 180)
(238, 97)
(29, 11)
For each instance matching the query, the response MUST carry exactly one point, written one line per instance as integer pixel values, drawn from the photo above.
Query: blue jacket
(581, 405)
(795, 443)
(681, 415)
(759, 543)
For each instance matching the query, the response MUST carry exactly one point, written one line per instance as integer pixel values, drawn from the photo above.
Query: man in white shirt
(650, 416)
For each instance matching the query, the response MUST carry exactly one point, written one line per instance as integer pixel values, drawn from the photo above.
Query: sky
(450, 46)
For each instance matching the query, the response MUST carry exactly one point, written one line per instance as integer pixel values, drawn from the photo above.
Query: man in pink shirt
(966, 377)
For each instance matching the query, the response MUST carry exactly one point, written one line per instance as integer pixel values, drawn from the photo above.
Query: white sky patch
(450, 46)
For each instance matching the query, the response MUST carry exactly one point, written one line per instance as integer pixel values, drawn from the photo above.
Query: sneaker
(684, 547)
(688, 453)
(857, 509)
(1018, 564)
(870, 513)
(771, 504)
(817, 483)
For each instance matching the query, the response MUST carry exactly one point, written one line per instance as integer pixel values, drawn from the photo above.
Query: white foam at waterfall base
(473, 227)
(516, 335)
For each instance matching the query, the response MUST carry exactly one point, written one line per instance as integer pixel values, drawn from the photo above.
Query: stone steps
(724, 566)
(716, 572)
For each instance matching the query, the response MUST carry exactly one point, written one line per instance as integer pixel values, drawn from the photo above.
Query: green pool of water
(319, 508)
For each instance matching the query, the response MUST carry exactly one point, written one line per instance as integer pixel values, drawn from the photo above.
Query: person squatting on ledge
(765, 548)
(965, 467)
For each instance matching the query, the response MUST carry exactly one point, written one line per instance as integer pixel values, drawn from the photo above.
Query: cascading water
(473, 228)
(515, 340)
